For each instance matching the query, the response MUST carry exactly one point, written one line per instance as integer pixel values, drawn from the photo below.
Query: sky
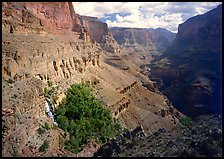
(166, 15)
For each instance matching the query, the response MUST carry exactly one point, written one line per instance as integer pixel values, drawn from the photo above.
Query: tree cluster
(82, 116)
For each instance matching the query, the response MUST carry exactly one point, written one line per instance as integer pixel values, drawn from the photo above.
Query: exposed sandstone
(96, 28)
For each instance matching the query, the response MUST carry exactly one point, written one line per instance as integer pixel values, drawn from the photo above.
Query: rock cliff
(49, 41)
(50, 15)
(190, 70)
(96, 28)
(153, 39)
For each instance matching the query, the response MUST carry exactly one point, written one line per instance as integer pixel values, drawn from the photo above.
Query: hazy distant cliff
(190, 70)
(158, 39)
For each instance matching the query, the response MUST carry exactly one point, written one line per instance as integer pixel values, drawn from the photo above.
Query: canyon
(48, 41)
(148, 78)
(154, 40)
(189, 72)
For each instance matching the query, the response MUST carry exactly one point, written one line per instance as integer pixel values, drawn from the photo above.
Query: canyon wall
(44, 42)
(190, 70)
(154, 39)
(96, 28)
(49, 15)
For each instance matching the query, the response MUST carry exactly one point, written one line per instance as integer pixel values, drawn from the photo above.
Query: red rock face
(96, 28)
(54, 15)
(49, 15)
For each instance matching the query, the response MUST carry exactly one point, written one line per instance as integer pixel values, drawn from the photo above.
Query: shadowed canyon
(163, 88)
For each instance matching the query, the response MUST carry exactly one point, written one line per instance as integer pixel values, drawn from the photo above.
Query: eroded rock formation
(96, 28)
(49, 41)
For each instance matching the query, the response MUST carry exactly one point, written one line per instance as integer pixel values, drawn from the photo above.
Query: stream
(48, 110)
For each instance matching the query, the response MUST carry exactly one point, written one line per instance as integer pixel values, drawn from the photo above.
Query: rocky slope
(203, 138)
(189, 72)
(152, 39)
(44, 41)
(133, 49)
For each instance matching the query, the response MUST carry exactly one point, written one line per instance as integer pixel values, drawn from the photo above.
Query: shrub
(43, 128)
(50, 83)
(40, 131)
(46, 126)
(44, 146)
(51, 92)
(45, 92)
(55, 99)
(10, 81)
(186, 121)
(14, 96)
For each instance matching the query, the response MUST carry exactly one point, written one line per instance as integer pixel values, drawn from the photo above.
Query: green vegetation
(46, 126)
(186, 121)
(10, 81)
(44, 146)
(40, 131)
(43, 128)
(50, 83)
(82, 117)
(53, 127)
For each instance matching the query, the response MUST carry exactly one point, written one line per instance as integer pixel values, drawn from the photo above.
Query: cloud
(144, 14)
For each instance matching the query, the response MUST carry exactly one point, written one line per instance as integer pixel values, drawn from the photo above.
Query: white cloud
(145, 14)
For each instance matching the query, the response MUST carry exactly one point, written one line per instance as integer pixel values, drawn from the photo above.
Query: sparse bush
(45, 91)
(40, 131)
(186, 121)
(50, 83)
(14, 96)
(10, 81)
(46, 126)
(55, 99)
(44, 146)
(43, 128)
(51, 92)
(54, 127)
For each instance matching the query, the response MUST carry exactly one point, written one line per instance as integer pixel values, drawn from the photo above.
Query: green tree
(83, 117)
(63, 122)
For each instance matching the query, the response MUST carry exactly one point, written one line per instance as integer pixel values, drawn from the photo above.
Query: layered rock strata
(48, 41)
(153, 39)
